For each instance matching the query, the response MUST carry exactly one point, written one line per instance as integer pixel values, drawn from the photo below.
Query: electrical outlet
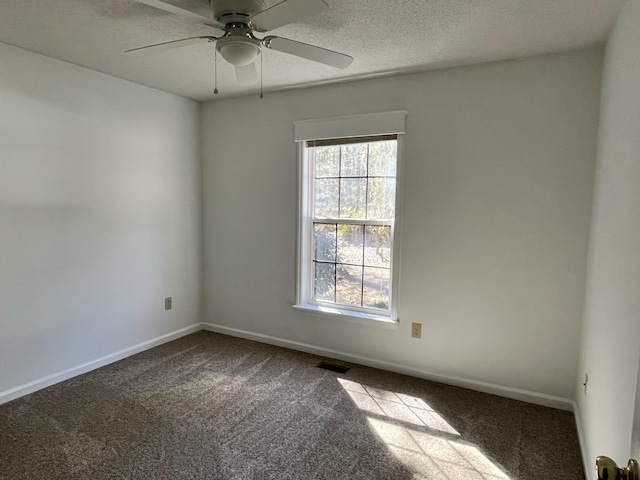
(167, 303)
(416, 330)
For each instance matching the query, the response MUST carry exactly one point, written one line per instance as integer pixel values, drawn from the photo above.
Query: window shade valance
(363, 125)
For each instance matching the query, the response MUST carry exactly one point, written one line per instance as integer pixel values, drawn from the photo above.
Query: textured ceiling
(383, 36)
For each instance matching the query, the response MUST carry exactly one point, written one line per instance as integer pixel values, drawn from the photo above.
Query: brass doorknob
(606, 469)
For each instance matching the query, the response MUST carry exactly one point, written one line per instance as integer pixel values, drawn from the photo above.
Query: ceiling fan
(238, 21)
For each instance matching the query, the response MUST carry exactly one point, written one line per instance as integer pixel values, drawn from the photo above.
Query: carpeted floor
(210, 406)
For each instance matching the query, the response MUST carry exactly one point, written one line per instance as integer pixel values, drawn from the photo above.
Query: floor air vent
(334, 367)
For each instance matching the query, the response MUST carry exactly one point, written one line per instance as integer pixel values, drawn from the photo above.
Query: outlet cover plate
(416, 330)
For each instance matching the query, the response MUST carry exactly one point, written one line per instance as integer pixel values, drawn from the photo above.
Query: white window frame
(376, 124)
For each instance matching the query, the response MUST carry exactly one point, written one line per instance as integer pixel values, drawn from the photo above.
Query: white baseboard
(54, 378)
(508, 392)
(502, 391)
(589, 464)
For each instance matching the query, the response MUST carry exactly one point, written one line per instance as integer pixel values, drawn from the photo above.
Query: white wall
(610, 345)
(100, 212)
(497, 200)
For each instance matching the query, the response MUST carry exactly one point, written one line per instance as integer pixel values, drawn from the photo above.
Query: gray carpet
(209, 406)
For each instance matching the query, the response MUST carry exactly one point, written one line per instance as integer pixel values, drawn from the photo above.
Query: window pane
(324, 238)
(375, 292)
(350, 238)
(327, 197)
(353, 198)
(349, 183)
(354, 160)
(324, 281)
(381, 198)
(327, 161)
(377, 252)
(349, 285)
(382, 158)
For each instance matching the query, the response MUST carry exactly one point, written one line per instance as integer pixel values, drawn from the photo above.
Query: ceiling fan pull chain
(261, 60)
(215, 71)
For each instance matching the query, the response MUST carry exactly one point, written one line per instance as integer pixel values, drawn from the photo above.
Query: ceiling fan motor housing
(229, 11)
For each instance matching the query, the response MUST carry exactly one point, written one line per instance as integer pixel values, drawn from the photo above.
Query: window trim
(367, 125)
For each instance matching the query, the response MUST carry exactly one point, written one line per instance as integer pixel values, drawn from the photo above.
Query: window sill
(360, 317)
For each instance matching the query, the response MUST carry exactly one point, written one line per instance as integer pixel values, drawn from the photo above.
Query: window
(348, 204)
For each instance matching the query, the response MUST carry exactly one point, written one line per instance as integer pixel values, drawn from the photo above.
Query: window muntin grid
(353, 183)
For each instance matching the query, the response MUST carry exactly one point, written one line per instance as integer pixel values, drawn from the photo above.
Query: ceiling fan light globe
(239, 53)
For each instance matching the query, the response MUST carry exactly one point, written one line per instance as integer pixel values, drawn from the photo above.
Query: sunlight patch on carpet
(398, 406)
(419, 437)
(434, 456)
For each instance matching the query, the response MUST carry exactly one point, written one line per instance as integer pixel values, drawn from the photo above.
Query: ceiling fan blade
(310, 52)
(167, 7)
(287, 12)
(247, 74)
(162, 47)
